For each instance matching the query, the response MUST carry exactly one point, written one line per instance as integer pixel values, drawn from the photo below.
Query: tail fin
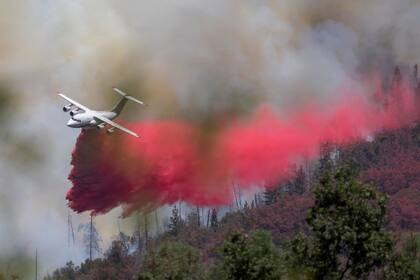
(125, 97)
(128, 96)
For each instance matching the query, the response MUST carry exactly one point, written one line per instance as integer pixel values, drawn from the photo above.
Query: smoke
(227, 57)
(207, 67)
(179, 160)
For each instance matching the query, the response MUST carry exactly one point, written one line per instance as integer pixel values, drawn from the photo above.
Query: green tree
(117, 253)
(91, 238)
(401, 267)
(326, 163)
(297, 185)
(411, 247)
(175, 222)
(246, 207)
(68, 273)
(193, 219)
(172, 261)
(250, 257)
(405, 265)
(214, 223)
(347, 229)
(271, 195)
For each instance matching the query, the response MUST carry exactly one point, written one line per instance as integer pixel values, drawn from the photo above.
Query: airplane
(83, 117)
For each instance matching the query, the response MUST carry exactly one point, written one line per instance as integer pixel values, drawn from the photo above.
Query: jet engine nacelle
(67, 108)
(74, 112)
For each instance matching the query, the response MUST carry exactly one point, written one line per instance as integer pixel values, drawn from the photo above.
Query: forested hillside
(263, 233)
(354, 213)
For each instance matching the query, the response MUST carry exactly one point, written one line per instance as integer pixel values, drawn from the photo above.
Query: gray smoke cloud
(187, 59)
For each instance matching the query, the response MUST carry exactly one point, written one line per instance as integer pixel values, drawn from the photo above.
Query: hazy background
(188, 59)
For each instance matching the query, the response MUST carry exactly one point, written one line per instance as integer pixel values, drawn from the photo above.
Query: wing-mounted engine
(67, 107)
(75, 112)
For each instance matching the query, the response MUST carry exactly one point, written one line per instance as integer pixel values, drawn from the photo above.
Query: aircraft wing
(75, 103)
(108, 121)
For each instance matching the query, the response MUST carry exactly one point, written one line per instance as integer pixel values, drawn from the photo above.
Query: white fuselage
(86, 119)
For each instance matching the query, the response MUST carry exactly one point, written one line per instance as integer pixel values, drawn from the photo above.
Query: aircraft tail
(125, 97)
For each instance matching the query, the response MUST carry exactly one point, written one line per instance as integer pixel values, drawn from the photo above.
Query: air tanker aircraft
(83, 117)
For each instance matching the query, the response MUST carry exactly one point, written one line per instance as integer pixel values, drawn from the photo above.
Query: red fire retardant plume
(175, 160)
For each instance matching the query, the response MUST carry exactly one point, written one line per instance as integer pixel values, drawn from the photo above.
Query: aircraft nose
(71, 123)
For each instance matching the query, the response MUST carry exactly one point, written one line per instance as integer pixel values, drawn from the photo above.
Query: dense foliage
(250, 257)
(172, 261)
(347, 229)
(344, 238)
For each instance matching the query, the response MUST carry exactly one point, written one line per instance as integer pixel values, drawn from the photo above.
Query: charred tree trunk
(208, 218)
(198, 216)
(90, 237)
(146, 232)
(138, 233)
(156, 221)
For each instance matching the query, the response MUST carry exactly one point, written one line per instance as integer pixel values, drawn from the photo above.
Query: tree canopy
(347, 229)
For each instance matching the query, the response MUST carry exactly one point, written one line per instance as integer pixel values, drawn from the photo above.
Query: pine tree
(91, 238)
(272, 194)
(257, 199)
(137, 234)
(214, 223)
(193, 219)
(326, 163)
(298, 182)
(246, 206)
(198, 216)
(175, 222)
(146, 231)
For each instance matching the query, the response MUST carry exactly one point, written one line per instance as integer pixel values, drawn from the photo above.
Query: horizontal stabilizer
(129, 97)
